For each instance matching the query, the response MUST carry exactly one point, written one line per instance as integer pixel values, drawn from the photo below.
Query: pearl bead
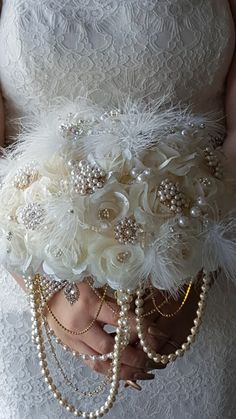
(199, 312)
(164, 359)
(172, 357)
(146, 172)
(201, 201)
(191, 338)
(157, 359)
(179, 352)
(183, 222)
(134, 172)
(150, 354)
(139, 311)
(185, 346)
(195, 212)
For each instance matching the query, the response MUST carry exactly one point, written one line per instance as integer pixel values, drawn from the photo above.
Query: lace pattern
(114, 48)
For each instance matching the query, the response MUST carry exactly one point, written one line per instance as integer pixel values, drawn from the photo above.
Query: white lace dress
(143, 48)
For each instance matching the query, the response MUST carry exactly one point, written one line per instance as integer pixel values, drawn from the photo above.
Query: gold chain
(81, 332)
(92, 393)
(115, 312)
(157, 308)
(154, 310)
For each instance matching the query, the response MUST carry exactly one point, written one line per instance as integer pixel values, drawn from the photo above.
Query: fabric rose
(121, 266)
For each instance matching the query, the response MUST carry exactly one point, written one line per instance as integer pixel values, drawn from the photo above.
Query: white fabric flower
(118, 265)
(104, 208)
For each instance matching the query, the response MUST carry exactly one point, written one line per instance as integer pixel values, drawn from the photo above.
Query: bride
(113, 48)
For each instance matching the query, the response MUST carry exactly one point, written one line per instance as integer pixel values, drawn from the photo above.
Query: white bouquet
(126, 197)
(123, 196)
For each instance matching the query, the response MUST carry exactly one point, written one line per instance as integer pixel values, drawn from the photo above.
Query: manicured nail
(153, 331)
(133, 384)
(143, 376)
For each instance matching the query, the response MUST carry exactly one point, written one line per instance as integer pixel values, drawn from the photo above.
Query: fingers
(134, 357)
(103, 367)
(97, 339)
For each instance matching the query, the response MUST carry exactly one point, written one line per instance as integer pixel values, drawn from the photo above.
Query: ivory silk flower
(118, 265)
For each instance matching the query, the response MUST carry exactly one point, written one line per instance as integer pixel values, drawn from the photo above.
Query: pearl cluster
(25, 176)
(124, 300)
(165, 359)
(186, 130)
(127, 231)
(213, 163)
(140, 175)
(105, 214)
(31, 216)
(9, 235)
(86, 178)
(72, 131)
(205, 182)
(113, 113)
(170, 195)
(123, 257)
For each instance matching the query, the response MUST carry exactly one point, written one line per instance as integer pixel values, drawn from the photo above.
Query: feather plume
(219, 248)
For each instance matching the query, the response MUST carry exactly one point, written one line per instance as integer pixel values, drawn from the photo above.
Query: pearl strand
(121, 337)
(165, 359)
(84, 357)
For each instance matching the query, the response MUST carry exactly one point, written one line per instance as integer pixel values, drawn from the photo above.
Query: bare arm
(230, 100)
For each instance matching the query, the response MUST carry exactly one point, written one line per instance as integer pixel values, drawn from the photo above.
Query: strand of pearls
(122, 335)
(84, 357)
(165, 359)
(86, 393)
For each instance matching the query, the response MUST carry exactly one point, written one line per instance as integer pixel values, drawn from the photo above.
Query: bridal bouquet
(120, 195)
(127, 197)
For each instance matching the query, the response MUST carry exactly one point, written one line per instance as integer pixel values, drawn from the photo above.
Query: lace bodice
(140, 48)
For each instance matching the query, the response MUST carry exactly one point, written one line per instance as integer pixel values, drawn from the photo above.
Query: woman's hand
(166, 334)
(95, 341)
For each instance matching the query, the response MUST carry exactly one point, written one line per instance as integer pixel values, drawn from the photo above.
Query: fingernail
(152, 330)
(133, 384)
(144, 376)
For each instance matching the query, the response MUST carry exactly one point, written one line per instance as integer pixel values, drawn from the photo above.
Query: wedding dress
(112, 48)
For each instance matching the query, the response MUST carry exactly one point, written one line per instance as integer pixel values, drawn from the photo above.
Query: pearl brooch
(171, 196)
(127, 230)
(25, 176)
(72, 131)
(123, 257)
(9, 236)
(213, 163)
(105, 214)
(31, 216)
(86, 178)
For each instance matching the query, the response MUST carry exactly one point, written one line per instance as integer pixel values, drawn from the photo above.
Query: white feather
(219, 249)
